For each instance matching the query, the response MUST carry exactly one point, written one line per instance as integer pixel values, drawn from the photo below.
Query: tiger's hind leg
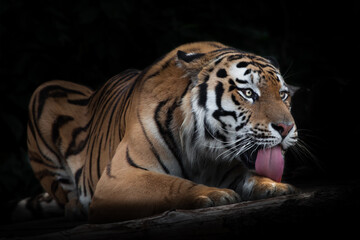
(56, 110)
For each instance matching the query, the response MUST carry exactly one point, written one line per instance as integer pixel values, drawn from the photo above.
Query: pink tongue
(270, 163)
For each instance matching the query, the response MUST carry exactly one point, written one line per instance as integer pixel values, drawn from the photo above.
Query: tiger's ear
(191, 63)
(188, 57)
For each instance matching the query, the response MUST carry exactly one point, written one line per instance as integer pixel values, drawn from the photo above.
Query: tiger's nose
(282, 129)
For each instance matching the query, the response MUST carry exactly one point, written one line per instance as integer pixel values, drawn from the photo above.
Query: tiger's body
(174, 135)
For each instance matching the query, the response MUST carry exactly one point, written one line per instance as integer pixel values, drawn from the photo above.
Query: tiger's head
(240, 103)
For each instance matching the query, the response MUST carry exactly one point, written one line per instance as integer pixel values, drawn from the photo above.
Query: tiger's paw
(210, 197)
(257, 187)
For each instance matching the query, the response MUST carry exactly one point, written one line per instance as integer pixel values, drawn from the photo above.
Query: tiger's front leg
(254, 187)
(129, 188)
(135, 193)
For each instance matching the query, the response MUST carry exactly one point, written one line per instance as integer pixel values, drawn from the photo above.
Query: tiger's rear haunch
(183, 133)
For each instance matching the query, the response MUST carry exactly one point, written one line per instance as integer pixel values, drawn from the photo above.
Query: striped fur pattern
(175, 135)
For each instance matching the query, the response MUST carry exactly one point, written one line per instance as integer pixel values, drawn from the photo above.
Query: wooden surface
(323, 210)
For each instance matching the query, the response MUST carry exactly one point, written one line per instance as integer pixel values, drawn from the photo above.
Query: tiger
(205, 125)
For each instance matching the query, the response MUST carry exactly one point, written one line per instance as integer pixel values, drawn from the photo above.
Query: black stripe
(64, 181)
(131, 162)
(242, 64)
(79, 102)
(194, 133)
(59, 122)
(90, 189)
(247, 72)
(188, 57)
(156, 154)
(241, 81)
(220, 136)
(265, 65)
(74, 149)
(218, 61)
(240, 126)
(206, 78)
(83, 178)
(90, 159)
(202, 94)
(166, 131)
(77, 175)
(47, 159)
(175, 149)
(54, 91)
(221, 73)
(98, 159)
(40, 161)
(235, 57)
(108, 170)
(232, 85)
(38, 133)
(209, 134)
(219, 91)
(233, 98)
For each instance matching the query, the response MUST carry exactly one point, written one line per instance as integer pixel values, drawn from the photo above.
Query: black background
(87, 42)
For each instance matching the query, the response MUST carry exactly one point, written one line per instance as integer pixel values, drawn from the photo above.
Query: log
(321, 210)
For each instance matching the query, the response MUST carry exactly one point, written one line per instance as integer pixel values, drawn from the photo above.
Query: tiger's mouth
(268, 162)
(249, 157)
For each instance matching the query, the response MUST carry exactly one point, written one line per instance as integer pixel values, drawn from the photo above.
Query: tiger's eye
(248, 92)
(283, 95)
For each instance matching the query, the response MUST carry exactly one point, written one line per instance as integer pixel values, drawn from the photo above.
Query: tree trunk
(322, 210)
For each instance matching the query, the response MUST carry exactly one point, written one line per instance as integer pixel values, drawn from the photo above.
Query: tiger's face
(242, 105)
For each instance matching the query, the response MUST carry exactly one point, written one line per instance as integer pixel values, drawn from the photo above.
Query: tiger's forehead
(253, 70)
(250, 75)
